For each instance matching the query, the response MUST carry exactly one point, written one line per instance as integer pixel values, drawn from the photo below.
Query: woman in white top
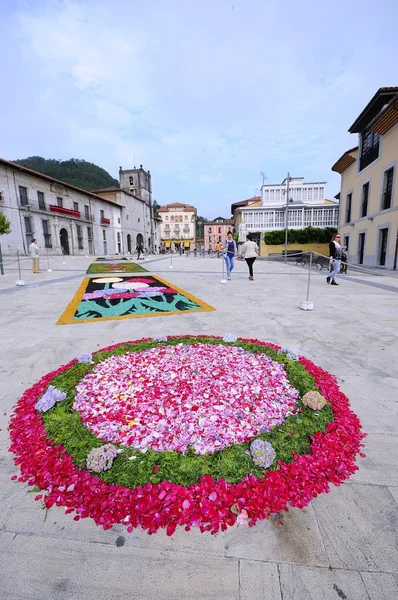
(250, 252)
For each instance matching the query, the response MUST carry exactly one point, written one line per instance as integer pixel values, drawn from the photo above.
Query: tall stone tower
(137, 182)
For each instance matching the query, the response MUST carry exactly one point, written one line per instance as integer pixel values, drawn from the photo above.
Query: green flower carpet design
(115, 267)
(109, 298)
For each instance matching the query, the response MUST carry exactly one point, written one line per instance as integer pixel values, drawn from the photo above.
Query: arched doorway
(140, 240)
(63, 236)
(129, 243)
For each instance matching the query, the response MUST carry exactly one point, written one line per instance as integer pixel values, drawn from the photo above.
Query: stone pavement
(343, 546)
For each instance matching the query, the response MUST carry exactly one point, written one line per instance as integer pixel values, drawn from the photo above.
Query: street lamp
(200, 223)
(287, 212)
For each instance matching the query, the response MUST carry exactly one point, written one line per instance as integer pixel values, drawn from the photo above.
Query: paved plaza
(343, 546)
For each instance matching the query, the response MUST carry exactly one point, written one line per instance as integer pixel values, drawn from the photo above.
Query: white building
(178, 225)
(307, 206)
(66, 219)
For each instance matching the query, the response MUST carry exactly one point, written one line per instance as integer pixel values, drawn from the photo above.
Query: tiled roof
(16, 167)
(382, 97)
(345, 161)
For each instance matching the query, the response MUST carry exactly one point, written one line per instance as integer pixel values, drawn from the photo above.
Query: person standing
(229, 248)
(35, 254)
(218, 249)
(335, 257)
(250, 252)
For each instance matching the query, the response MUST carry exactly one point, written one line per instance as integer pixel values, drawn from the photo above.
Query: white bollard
(307, 304)
(223, 280)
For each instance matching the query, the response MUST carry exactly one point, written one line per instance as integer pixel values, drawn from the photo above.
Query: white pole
(48, 263)
(223, 280)
(20, 280)
(171, 259)
(287, 214)
(307, 305)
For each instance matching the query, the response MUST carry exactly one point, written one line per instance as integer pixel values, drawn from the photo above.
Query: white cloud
(210, 98)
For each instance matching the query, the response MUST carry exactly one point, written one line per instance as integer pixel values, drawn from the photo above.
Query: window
(219, 230)
(86, 212)
(119, 243)
(387, 189)
(348, 208)
(23, 195)
(172, 218)
(365, 198)
(346, 243)
(383, 242)
(104, 235)
(79, 237)
(90, 240)
(102, 216)
(186, 217)
(28, 230)
(209, 229)
(118, 220)
(219, 238)
(40, 199)
(166, 218)
(46, 234)
(76, 206)
(180, 219)
(131, 180)
(361, 248)
(60, 202)
(370, 142)
(209, 239)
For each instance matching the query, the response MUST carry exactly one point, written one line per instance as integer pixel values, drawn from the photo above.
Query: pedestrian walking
(218, 249)
(335, 256)
(229, 249)
(35, 254)
(250, 252)
(140, 251)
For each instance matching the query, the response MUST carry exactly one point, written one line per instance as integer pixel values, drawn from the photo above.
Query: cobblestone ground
(343, 546)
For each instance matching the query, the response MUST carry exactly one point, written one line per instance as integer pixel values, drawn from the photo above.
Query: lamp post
(287, 213)
(200, 223)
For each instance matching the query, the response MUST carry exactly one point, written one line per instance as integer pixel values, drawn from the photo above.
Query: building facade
(178, 225)
(68, 220)
(216, 232)
(368, 195)
(306, 207)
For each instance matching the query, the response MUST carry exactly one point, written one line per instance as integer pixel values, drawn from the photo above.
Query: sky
(207, 95)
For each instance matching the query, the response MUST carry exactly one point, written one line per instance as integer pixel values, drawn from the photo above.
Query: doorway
(129, 243)
(63, 236)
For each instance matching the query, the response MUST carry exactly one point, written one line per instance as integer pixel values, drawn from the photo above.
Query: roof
(345, 161)
(215, 222)
(114, 188)
(183, 207)
(387, 118)
(12, 165)
(382, 97)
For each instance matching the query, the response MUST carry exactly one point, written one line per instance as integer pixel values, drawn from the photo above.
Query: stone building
(368, 194)
(66, 219)
(216, 232)
(135, 197)
(178, 225)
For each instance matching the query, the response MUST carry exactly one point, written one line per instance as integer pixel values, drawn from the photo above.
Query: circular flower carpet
(192, 431)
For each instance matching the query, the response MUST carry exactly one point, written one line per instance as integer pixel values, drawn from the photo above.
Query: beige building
(368, 196)
(178, 225)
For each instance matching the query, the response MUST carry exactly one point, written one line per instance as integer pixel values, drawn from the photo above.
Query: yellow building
(178, 225)
(368, 197)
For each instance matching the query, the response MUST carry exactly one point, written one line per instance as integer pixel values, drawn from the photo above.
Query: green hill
(77, 172)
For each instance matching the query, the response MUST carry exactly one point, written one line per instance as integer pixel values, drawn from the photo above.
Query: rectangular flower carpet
(123, 297)
(115, 267)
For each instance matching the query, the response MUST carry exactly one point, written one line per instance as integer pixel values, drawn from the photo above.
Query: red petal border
(167, 505)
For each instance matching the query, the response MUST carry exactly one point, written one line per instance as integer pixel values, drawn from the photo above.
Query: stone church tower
(137, 182)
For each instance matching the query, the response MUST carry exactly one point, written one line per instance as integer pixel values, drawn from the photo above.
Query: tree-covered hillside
(77, 172)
